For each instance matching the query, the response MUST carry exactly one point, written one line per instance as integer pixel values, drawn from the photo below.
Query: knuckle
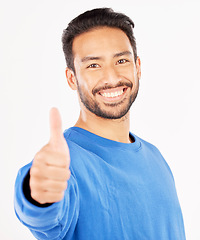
(33, 171)
(36, 184)
(38, 156)
(59, 187)
(36, 196)
(68, 174)
(35, 176)
(63, 187)
(60, 195)
(39, 197)
(31, 183)
(42, 154)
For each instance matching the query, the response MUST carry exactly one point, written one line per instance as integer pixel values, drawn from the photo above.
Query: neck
(113, 129)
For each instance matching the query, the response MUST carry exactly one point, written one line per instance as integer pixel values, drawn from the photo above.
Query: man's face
(107, 77)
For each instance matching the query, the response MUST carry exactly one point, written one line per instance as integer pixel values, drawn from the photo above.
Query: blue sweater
(117, 191)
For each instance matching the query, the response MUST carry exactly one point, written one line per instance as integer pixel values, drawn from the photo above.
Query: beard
(116, 110)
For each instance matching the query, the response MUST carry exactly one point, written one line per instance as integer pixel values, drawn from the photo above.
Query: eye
(121, 61)
(93, 65)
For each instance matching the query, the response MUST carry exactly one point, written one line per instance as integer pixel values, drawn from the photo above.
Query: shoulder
(145, 144)
(152, 151)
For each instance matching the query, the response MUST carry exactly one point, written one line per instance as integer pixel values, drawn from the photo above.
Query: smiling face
(107, 77)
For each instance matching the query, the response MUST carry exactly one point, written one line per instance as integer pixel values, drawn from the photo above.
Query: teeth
(112, 94)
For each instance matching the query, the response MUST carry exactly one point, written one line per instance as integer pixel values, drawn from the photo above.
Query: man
(99, 181)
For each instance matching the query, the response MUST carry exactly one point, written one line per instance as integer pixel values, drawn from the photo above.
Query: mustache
(109, 86)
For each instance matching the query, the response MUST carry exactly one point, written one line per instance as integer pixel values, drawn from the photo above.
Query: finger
(55, 186)
(56, 134)
(51, 158)
(47, 197)
(49, 186)
(51, 172)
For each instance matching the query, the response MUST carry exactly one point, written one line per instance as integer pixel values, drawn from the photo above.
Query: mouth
(113, 94)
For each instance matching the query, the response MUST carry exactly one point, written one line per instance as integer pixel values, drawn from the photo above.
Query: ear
(71, 79)
(138, 67)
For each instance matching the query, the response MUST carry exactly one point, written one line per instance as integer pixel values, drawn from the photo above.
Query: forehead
(100, 41)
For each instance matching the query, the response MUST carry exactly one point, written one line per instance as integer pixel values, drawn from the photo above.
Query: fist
(50, 169)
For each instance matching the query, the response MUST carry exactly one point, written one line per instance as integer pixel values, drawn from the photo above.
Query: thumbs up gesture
(50, 169)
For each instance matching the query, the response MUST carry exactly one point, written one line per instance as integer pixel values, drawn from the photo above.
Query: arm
(50, 206)
(47, 222)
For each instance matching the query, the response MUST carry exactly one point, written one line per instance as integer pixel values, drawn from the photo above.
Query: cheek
(89, 79)
(129, 74)
(84, 82)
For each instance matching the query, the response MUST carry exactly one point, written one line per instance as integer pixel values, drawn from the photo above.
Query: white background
(32, 77)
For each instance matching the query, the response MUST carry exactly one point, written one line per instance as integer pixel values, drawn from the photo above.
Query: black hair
(91, 19)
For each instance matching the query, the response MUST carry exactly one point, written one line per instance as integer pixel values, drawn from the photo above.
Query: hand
(50, 169)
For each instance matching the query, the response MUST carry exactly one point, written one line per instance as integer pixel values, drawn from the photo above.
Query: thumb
(56, 134)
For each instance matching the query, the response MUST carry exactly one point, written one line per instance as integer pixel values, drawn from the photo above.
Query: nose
(111, 76)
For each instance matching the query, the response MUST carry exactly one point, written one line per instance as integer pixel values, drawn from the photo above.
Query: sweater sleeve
(54, 221)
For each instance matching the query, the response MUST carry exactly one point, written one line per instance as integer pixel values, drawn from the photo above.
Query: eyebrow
(122, 54)
(89, 58)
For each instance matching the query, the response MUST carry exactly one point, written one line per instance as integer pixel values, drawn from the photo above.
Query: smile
(113, 93)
